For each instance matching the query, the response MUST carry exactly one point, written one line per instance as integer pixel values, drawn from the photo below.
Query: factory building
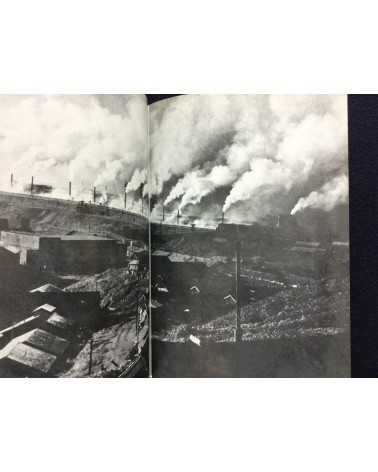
(52, 310)
(76, 253)
(33, 354)
(38, 346)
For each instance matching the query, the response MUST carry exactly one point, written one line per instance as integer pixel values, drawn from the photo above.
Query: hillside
(118, 292)
(54, 216)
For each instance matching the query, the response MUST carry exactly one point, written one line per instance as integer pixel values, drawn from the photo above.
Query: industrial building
(38, 345)
(78, 309)
(32, 354)
(75, 253)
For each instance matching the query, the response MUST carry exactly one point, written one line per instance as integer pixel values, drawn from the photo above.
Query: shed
(47, 288)
(33, 353)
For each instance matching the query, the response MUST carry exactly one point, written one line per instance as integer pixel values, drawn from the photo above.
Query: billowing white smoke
(327, 197)
(88, 140)
(269, 149)
(196, 185)
(139, 178)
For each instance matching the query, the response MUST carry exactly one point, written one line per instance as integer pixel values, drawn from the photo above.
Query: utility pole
(90, 356)
(141, 196)
(137, 324)
(238, 333)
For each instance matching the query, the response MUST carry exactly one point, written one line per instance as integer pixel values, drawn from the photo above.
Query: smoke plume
(90, 140)
(327, 197)
(263, 151)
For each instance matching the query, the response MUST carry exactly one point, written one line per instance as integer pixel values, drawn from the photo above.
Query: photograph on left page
(74, 271)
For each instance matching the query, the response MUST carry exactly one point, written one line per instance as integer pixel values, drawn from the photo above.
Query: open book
(200, 236)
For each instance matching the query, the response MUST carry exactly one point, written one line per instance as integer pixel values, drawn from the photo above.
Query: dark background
(363, 207)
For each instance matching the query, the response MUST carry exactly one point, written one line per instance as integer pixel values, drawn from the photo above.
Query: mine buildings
(77, 253)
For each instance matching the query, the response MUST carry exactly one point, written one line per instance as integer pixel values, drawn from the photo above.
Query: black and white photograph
(74, 260)
(250, 236)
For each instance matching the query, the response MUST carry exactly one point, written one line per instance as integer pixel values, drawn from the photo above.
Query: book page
(74, 236)
(249, 234)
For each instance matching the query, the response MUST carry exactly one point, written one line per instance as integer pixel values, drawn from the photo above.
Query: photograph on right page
(250, 236)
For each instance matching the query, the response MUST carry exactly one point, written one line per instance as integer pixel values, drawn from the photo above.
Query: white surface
(165, 425)
(167, 46)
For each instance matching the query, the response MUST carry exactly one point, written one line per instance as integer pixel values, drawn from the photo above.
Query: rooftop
(59, 321)
(46, 288)
(64, 237)
(46, 341)
(31, 357)
(37, 349)
(46, 307)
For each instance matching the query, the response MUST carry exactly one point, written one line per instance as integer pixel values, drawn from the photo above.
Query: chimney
(32, 185)
(163, 212)
(11, 180)
(69, 188)
(141, 196)
(125, 195)
(178, 217)
(238, 332)
(222, 217)
(94, 194)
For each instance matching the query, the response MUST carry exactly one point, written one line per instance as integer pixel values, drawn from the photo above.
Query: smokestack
(69, 188)
(94, 194)
(32, 185)
(178, 217)
(222, 217)
(125, 195)
(238, 334)
(11, 180)
(141, 196)
(163, 211)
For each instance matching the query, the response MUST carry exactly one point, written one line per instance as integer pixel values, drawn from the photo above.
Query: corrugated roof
(46, 341)
(84, 237)
(38, 339)
(47, 288)
(17, 325)
(59, 321)
(69, 237)
(46, 307)
(31, 357)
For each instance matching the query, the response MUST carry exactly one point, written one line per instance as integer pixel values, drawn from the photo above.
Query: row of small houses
(39, 345)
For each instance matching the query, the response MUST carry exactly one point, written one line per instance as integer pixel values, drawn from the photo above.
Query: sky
(248, 156)
(90, 140)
